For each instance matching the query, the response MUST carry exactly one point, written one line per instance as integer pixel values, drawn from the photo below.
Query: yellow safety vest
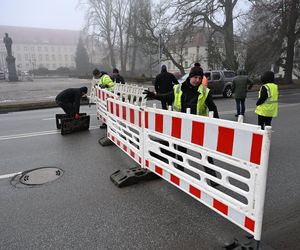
(107, 82)
(201, 107)
(270, 107)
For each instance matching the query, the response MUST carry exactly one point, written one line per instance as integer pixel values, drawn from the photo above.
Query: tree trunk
(291, 38)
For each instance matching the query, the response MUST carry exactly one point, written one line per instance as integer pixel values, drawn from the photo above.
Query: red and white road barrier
(179, 148)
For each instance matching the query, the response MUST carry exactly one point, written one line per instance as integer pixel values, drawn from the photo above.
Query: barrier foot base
(131, 176)
(247, 243)
(104, 141)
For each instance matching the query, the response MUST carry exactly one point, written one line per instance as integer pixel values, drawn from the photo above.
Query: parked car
(2, 75)
(219, 81)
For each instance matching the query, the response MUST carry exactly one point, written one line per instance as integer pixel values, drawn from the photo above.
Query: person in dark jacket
(117, 78)
(164, 83)
(240, 85)
(69, 100)
(193, 95)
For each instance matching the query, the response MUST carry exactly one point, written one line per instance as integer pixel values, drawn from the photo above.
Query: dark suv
(220, 82)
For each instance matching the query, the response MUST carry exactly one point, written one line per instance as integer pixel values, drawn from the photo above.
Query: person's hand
(149, 94)
(77, 116)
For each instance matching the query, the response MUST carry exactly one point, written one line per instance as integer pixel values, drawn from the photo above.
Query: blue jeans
(240, 104)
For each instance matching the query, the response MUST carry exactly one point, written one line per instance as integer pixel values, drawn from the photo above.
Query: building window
(186, 51)
(297, 52)
(66, 57)
(32, 48)
(40, 57)
(47, 57)
(191, 38)
(33, 56)
(39, 48)
(186, 65)
(59, 57)
(169, 65)
(53, 57)
(46, 48)
(26, 57)
(52, 49)
(25, 48)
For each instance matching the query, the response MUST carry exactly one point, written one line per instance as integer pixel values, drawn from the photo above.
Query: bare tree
(99, 17)
(208, 11)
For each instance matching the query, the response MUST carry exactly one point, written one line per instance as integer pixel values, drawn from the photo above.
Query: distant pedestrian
(117, 78)
(164, 83)
(240, 85)
(267, 103)
(69, 100)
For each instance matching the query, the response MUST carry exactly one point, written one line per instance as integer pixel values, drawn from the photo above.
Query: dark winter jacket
(239, 86)
(118, 79)
(164, 82)
(189, 98)
(71, 95)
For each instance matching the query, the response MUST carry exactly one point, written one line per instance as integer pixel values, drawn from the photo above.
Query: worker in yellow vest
(193, 95)
(267, 103)
(104, 79)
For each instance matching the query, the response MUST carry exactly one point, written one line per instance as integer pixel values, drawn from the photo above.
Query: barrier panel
(221, 163)
(132, 93)
(176, 141)
(124, 128)
(101, 101)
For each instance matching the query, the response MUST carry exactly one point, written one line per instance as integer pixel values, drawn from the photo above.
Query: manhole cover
(37, 176)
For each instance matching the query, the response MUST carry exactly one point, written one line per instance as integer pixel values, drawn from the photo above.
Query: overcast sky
(56, 14)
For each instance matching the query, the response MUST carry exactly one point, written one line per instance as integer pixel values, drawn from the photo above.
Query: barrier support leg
(247, 243)
(105, 141)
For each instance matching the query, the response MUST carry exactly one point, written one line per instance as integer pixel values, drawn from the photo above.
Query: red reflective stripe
(146, 120)
(125, 148)
(197, 133)
(175, 179)
(111, 108)
(225, 140)
(250, 224)
(118, 143)
(147, 163)
(124, 112)
(140, 160)
(140, 119)
(103, 98)
(220, 206)
(117, 110)
(132, 154)
(158, 170)
(256, 148)
(159, 123)
(195, 191)
(132, 116)
(176, 127)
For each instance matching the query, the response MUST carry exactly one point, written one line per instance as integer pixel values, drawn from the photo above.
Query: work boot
(103, 126)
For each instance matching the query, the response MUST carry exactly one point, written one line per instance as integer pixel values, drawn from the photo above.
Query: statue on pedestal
(11, 66)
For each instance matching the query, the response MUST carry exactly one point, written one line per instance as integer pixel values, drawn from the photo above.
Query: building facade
(35, 48)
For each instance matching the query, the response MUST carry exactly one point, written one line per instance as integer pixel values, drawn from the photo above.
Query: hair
(84, 89)
(115, 70)
(197, 64)
(96, 72)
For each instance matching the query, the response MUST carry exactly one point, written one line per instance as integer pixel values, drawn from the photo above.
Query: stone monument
(11, 65)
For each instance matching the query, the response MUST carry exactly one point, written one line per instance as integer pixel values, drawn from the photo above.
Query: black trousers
(67, 107)
(264, 121)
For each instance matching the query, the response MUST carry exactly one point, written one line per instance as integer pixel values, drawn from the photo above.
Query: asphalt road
(84, 210)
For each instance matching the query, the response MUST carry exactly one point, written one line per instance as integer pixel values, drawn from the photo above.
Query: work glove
(149, 94)
(77, 116)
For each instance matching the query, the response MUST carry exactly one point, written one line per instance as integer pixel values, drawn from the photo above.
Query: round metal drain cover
(40, 176)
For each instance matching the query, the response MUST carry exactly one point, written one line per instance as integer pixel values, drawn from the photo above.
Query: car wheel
(227, 92)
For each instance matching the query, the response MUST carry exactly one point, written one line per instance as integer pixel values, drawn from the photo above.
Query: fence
(223, 164)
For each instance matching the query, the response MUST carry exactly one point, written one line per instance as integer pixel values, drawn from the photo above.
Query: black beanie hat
(196, 71)
(84, 90)
(267, 77)
(96, 72)
(115, 70)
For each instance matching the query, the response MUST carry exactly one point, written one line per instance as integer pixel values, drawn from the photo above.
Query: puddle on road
(37, 177)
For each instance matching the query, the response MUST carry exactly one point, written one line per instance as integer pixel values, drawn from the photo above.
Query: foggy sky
(56, 14)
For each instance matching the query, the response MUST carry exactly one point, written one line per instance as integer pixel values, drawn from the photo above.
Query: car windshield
(229, 74)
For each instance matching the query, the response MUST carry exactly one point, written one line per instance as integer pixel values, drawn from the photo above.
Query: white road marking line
(5, 176)
(49, 132)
